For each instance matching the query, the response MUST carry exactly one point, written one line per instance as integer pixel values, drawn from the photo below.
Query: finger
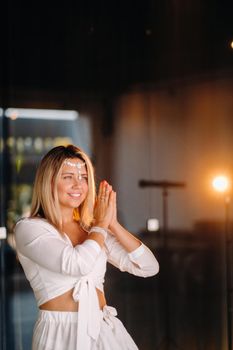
(105, 191)
(101, 190)
(112, 198)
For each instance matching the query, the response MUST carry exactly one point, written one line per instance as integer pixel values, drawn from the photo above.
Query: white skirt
(56, 330)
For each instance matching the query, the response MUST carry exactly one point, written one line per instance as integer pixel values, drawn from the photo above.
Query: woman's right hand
(104, 207)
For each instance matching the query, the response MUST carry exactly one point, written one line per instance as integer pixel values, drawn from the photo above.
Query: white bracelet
(98, 229)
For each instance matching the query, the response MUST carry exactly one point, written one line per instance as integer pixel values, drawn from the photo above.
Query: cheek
(61, 188)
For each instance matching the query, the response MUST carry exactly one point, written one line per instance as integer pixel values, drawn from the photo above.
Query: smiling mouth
(74, 195)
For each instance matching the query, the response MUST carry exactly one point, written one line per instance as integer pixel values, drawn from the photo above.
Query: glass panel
(2, 243)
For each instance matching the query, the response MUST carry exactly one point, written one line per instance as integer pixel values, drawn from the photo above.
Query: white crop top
(53, 266)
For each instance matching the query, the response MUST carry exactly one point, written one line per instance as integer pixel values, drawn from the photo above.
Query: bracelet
(98, 229)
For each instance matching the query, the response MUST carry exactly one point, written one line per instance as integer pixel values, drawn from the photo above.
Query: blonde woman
(64, 246)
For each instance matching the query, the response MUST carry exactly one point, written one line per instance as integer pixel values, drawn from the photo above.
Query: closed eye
(67, 177)
(84, 177)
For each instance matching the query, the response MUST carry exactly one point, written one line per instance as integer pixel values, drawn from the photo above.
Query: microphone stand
(167, 339)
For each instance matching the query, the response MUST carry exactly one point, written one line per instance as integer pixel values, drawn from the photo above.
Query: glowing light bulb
(221, 183)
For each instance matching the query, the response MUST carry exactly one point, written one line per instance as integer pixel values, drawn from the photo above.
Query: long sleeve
(141, 262)
(42, 243)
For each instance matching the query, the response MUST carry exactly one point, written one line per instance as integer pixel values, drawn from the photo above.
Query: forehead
(73, 165)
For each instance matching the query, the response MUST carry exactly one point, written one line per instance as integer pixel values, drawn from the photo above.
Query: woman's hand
(104, 208)
(114, 220)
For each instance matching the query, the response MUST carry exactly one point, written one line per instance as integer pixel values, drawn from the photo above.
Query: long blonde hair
(45, 202)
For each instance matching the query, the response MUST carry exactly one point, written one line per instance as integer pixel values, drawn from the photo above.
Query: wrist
(98, 229)
(113, 225)
(101, 224)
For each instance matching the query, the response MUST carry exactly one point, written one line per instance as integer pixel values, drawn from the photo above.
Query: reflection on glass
(10, 142)
(19, 204)
(27, 143)
(20, 145)
(1, 144)
(48, 143)
(38, 145)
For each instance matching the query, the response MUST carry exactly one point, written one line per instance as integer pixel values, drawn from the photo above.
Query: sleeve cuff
(137, 252)
(92, 244)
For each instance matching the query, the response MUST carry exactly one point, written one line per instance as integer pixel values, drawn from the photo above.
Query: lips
(74, 195)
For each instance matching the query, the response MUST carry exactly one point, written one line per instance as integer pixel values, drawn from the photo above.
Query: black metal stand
(229, 287)
(167, 341)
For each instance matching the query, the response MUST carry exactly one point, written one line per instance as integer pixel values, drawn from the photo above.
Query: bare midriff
(65, 302)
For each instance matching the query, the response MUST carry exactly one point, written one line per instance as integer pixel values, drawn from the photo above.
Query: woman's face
(72, 185)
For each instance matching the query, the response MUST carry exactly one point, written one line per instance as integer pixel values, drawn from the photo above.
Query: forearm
(126, 239)
(97, 237)
(98, 233)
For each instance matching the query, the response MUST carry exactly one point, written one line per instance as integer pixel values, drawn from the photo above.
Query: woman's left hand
(104, 207)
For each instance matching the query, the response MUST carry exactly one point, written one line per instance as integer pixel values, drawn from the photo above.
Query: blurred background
(146, 89)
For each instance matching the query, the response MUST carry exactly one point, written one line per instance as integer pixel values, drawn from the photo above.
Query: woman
(64, 246)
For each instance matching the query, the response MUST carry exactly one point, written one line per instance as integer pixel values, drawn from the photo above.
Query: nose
(77, 182)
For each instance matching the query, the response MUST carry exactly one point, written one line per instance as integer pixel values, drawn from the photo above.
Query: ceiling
(112, 44)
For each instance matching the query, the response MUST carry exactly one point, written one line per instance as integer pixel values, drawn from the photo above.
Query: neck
(67, 216)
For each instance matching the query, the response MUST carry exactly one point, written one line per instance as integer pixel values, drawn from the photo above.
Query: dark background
(155, 80)
(109, 45)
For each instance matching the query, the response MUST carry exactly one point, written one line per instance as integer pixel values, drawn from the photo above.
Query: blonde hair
(45, 202)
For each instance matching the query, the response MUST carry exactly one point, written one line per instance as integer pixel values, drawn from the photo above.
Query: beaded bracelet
(98, 229)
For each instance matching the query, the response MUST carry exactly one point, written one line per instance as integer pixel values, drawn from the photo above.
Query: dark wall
(110, 45)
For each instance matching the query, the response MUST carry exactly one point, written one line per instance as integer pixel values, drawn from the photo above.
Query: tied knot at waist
(89, 313)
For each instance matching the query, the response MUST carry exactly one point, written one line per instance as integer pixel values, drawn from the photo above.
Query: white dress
(53, 266)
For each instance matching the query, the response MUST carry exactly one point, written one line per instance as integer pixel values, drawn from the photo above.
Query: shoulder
(34, 226)
(27, 221)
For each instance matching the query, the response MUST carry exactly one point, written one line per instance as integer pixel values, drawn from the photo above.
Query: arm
(140, 261)
(45, 247)
(127, 252)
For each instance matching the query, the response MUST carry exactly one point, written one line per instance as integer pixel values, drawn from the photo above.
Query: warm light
(152, 224)
(232, 44)
(221, 183)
